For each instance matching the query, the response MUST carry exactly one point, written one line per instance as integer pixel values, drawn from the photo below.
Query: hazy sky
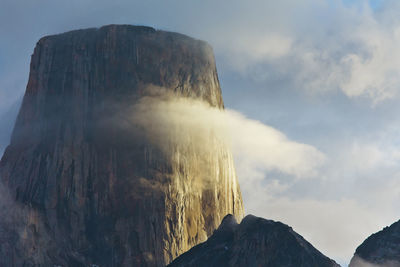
(319, 83)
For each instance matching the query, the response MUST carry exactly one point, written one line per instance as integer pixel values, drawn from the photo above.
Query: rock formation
(381, 249)
(87, 190)
(253, 242)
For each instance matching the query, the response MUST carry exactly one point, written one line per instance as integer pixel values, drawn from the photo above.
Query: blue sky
(323, 73)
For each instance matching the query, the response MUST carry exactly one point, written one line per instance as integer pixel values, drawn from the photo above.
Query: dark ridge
(253, 242)
(382, 246)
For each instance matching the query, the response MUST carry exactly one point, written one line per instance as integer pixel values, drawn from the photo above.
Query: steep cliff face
(94, 190)
(253, 242)
(381, 249)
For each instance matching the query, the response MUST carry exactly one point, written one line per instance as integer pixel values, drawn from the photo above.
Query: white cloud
(258, 148)
(318, 45)
(376, 73)
(249, 49)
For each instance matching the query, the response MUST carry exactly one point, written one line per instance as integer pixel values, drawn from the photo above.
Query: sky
(317, 83)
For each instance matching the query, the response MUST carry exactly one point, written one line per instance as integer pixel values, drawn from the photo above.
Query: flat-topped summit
(92, 187)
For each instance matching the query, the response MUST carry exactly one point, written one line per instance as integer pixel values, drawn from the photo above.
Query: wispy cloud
(261, 148)
(258, 148)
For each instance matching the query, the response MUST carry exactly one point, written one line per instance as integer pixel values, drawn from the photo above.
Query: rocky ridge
(381, 249)
(253, 242)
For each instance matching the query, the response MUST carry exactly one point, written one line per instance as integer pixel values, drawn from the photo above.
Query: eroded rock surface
(90, 190)
(252, 243)
(381, 249)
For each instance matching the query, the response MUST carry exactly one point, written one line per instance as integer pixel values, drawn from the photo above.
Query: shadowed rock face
(88, 191)
(253, 242)
(381, 249)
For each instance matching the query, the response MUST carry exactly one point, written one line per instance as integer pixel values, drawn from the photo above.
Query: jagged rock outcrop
(85, 188)
(381, 249)
(253, 242)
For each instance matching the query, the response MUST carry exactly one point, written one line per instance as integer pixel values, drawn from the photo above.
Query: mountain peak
(254, 242)
(92, 185)
(380, 249)
(228, 223)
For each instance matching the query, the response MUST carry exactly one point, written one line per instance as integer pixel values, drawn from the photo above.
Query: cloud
(320, 46)
(19, 228)
(374, 73)
(261, 148)
(359, 262)
(257, 148)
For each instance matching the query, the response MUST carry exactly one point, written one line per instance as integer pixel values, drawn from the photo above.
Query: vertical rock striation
(90, 191)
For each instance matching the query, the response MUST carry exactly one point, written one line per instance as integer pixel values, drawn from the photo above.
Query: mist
(187, 129)
(359, 262)
(168, 119)
(19, 222)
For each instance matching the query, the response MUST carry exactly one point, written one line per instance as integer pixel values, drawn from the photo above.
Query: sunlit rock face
(381, 249)
(252, 243)
(87, 184)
